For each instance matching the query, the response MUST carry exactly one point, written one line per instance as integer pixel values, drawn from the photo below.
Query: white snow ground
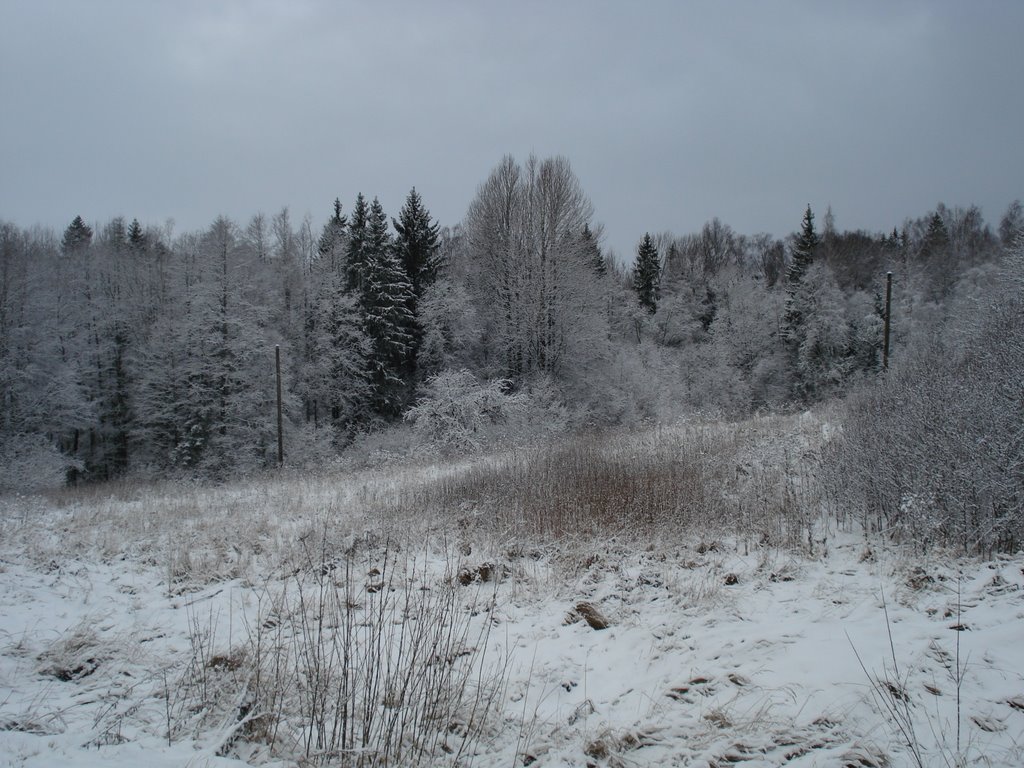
(713, 657)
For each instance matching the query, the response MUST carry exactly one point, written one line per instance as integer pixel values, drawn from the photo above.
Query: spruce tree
(416, 244)
(337, 367)
(115, 235)
(332, 239)
(936, 238)
(385, 296)
(803, 253)
(804, 249)
(592, 252)
(378, 237)
(356, 252)
(77, 236)
(136, 237)
(892, 243)
(647, 274)
(940, 261)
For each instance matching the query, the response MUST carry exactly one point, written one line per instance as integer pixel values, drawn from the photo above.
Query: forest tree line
(129, 349)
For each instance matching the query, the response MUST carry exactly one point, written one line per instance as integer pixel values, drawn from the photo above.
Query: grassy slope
(735, 600)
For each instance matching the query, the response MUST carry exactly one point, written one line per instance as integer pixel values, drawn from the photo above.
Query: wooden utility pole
(888, 315)
(280, 421)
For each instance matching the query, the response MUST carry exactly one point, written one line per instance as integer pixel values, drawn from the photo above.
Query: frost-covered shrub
(312, 449)
(541, 412)
(934, 453)
(460, 413)
(375, 448)
(31, 463)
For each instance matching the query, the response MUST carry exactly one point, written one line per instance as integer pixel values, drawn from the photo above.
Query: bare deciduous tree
(528, 267)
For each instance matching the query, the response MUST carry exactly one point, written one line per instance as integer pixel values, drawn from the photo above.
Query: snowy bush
(31, 463)
(459, 413)
(944, 426)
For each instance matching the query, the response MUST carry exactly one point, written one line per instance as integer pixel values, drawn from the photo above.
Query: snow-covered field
(312, 621)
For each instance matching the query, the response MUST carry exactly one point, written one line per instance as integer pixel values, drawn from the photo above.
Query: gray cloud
(670, 113)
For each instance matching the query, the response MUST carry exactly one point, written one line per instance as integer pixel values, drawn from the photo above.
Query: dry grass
(375, 657)
(374, 589)
(755, 479)
(754, 482)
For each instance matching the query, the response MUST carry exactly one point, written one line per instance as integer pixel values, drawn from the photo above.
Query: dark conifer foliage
(417, 246)
(332, 239)
(416, 243)
(803, 252)
(338, 365)
(592, 252)
(115, 235)
(802, 300)
(647, 274)
(385, 298)
(936, 239)
(78, 235)
(358, 234)
(136, 237)
(804, 249)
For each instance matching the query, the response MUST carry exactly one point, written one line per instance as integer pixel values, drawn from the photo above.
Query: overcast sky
(670, 112)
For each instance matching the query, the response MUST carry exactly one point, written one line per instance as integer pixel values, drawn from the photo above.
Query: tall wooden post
(280, 421)
(888, 315)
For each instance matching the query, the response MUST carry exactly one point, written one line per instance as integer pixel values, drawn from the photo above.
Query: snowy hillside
(385, 617)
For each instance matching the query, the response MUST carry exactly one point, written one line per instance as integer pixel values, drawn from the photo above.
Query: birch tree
(531, 270)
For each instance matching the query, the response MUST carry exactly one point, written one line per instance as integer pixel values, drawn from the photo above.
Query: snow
(713, 656)
(131, 631)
